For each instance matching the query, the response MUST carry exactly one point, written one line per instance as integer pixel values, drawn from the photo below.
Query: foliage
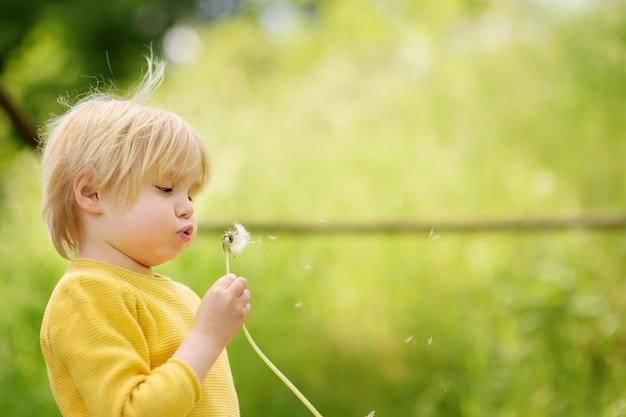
(395, 112)
(48, 48)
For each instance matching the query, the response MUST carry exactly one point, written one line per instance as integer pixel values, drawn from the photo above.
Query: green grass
(392, 114)
(523, 325)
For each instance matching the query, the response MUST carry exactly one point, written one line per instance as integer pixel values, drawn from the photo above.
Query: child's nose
(184, 209)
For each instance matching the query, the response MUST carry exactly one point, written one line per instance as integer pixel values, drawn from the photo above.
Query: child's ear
(86, 195)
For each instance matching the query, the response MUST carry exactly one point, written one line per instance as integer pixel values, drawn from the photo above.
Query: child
(119, 339)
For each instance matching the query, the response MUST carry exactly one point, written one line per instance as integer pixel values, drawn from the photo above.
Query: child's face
(158, 226)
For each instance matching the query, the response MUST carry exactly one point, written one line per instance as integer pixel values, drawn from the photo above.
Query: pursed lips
(185, 233)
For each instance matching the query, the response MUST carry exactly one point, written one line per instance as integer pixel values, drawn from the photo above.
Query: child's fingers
(245, 296)
(238, 285)
(225, 281)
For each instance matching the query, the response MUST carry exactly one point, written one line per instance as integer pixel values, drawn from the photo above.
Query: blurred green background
(364, 111)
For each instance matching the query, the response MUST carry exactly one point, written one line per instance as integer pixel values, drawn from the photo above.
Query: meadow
(394, 113)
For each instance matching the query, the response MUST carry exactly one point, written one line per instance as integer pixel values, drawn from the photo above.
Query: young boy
(118, 339)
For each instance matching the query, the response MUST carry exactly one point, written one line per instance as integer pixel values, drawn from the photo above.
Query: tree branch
(606, 221)
(24, 127)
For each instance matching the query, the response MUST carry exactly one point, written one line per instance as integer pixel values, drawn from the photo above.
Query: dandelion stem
(269, 363)
(279, 374)
(227, 263)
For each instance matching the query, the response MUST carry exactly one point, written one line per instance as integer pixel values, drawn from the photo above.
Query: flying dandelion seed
(297, 304)
(320, 221)
(432, 234)
(431, 342)
(272, 237)
(409, 340)
(371, 414)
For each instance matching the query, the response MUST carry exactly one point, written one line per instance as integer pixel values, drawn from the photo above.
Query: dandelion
(234, 241)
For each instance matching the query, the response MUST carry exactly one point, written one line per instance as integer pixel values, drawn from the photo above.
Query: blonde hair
(117, 143)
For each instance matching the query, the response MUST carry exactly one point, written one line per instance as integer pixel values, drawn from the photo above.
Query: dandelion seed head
(235, 240)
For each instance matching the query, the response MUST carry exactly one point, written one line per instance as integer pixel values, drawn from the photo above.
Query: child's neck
(116, 258)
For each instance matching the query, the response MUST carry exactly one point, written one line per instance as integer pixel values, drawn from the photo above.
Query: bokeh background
(320, 113)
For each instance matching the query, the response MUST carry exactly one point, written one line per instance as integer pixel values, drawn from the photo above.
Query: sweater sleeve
(92, 337)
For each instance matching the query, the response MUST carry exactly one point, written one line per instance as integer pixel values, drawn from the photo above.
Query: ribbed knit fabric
(108, 335)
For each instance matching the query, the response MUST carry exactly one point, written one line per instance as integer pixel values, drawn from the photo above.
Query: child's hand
(221, 314)
(224, 309)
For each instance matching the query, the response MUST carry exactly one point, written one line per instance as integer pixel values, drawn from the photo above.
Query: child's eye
(164, 189)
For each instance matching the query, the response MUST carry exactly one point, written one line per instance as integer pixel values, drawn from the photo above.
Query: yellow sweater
(108, 335)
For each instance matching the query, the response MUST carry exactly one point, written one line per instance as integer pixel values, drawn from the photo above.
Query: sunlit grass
(512, 318)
